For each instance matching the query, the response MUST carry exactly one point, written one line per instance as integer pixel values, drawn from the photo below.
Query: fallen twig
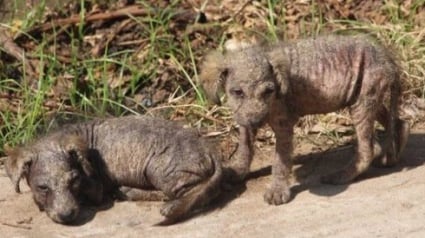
(241, 9)
(8, 102)
(132, 42)
(10, 47)
(134, 10)
(97, 50)
(16, 225)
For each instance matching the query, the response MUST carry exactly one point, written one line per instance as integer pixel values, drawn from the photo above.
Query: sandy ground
(381, 203)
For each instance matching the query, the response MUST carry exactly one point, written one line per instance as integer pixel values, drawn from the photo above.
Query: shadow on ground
(308, 169)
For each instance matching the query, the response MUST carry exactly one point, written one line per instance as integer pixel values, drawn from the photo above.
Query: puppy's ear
(90, 187)
(18, 162)
(213, 75)
(280, 67)
(75, 145)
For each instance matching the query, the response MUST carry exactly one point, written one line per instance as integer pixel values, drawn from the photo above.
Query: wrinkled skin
(96, 158)
(55, 196)
(277, 84)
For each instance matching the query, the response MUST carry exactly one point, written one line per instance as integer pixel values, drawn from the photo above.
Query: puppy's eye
(75, 178)
(74, 175)
(43, 188)
(237, 92)
(75, 185)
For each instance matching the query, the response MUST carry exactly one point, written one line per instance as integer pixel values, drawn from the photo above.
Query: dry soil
(381, 203)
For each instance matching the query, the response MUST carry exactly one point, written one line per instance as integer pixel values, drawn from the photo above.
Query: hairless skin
(92, 159)
(279, 83)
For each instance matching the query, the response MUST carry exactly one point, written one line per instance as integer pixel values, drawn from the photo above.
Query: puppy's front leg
(238, 167)
(279, 191)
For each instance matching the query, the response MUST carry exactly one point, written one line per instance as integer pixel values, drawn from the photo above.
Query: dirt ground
(382, 203)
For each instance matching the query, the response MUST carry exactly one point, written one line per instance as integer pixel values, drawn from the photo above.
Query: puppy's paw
(170, 208)
(277, 195)
(385, 161)
(174, 211)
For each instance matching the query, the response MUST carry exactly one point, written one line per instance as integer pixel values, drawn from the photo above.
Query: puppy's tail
(400, 129)
(200, 195)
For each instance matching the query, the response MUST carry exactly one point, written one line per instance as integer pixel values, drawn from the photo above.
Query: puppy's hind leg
(363, 116)
(395, 140)
(135, 194)
(396, 131)
(199, 195)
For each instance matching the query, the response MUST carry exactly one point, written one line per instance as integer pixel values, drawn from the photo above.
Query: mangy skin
(278, 83)
(95, 158)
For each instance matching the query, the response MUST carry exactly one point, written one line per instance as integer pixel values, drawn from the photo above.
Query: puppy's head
(251, 78)
(53, 168)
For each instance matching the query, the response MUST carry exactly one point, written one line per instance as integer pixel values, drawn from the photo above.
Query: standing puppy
(278, 83)
(90, 160)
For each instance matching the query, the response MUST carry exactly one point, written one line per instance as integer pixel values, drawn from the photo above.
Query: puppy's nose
(68, 216)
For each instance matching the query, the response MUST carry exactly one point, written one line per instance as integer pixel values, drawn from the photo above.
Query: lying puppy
(279, 83)
(90, 160)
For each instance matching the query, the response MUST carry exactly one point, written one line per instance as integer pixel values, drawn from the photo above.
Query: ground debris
(16, 225)
(145, 54)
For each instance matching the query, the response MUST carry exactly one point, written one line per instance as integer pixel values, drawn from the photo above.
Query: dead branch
(96, 51)
(134, 10)
(16, 225)
(10, 47)
(241, 9)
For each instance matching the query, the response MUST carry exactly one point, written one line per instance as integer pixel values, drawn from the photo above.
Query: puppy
(92, 159)
(278, 83)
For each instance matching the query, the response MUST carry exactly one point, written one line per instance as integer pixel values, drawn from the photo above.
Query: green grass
(109, 85)
(103, 94)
